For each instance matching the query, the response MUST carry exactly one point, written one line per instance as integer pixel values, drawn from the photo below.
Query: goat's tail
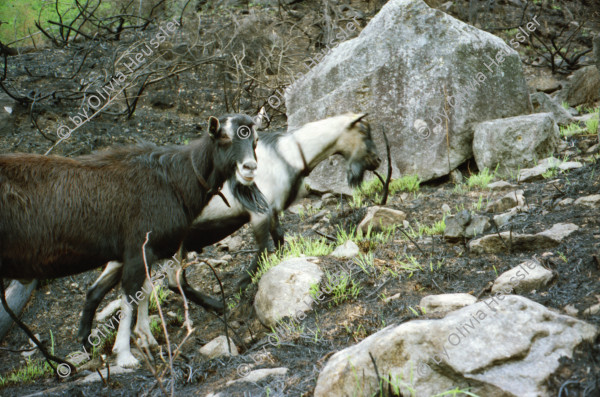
(49, 357)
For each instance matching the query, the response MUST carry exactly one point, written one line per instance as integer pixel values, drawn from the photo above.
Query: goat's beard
(356, 173)
(249, 196)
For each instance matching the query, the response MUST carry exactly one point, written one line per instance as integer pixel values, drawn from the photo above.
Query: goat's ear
(214, 127)
(260, 118)
(358, 119)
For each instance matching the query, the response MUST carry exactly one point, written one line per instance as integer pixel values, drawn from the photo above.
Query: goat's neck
(192, 184)
(317, 141)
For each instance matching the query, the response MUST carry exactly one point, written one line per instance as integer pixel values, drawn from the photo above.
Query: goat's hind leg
(107, 280)
(49, 357)
(142, 326)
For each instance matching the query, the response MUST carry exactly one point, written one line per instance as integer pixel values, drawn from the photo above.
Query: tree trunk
(17, 296)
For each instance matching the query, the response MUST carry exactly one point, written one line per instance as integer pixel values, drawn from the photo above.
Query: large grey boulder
(542, 103)
(421, 74)
(583, 87)
(502, 346)
(284, 291)
(514, 142)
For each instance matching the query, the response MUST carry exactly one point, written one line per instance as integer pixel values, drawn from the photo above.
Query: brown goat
(61, 216)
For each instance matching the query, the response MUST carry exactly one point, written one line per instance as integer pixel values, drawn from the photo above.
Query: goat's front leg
(190, 292)
(276, 231)
(260, 227)
(134, 274)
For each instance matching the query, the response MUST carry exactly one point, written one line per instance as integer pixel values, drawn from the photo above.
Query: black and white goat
(62, 216)
(284, 159)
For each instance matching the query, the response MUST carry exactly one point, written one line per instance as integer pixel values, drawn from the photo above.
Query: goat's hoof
(127, 360)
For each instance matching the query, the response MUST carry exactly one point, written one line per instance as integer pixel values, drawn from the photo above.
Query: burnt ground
(56, 306)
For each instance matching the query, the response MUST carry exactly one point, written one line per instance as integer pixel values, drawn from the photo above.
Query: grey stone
(396, 70)
(513, 143)
(504, 218)
(260, 374)
(530, 174)
(456, 177)
(231, 243)
(456, 224)
(114, 370)
(478, 225)
(284, 290)
(592, 201)
(584, 86)
(526, 277)
(494, 243)
(500, 185)
(218, 348)
(506, 202)
(381, 217)
(445, 209)
(508, 346)
(347, 250)
(545, 84)
(565, 202)
(446, 302)
(542, 103)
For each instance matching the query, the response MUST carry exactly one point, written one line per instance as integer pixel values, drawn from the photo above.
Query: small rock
(500, 185)
(260, 374)
(329, 199)
(317, 205)
(545, 84)
(218, 348)
(405, 224)
(543, 103)
(216, 262)
(523, 278)
(592, 201)
(379, 217)
(571, 310)
(227, 258)
(567, 201)
(446, 302)
(478, 225)
(494, 243)
(594, 148)
(347, 250)
(456, 177)
(504, 218)
(508, 201)
(456, 224)
(391, 298)
(592, 310)
(530, 174)
(114, 370)
(231, 243)
(445, 209)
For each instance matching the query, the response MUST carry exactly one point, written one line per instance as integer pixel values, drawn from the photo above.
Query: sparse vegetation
(570, 130)
(482, 179)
